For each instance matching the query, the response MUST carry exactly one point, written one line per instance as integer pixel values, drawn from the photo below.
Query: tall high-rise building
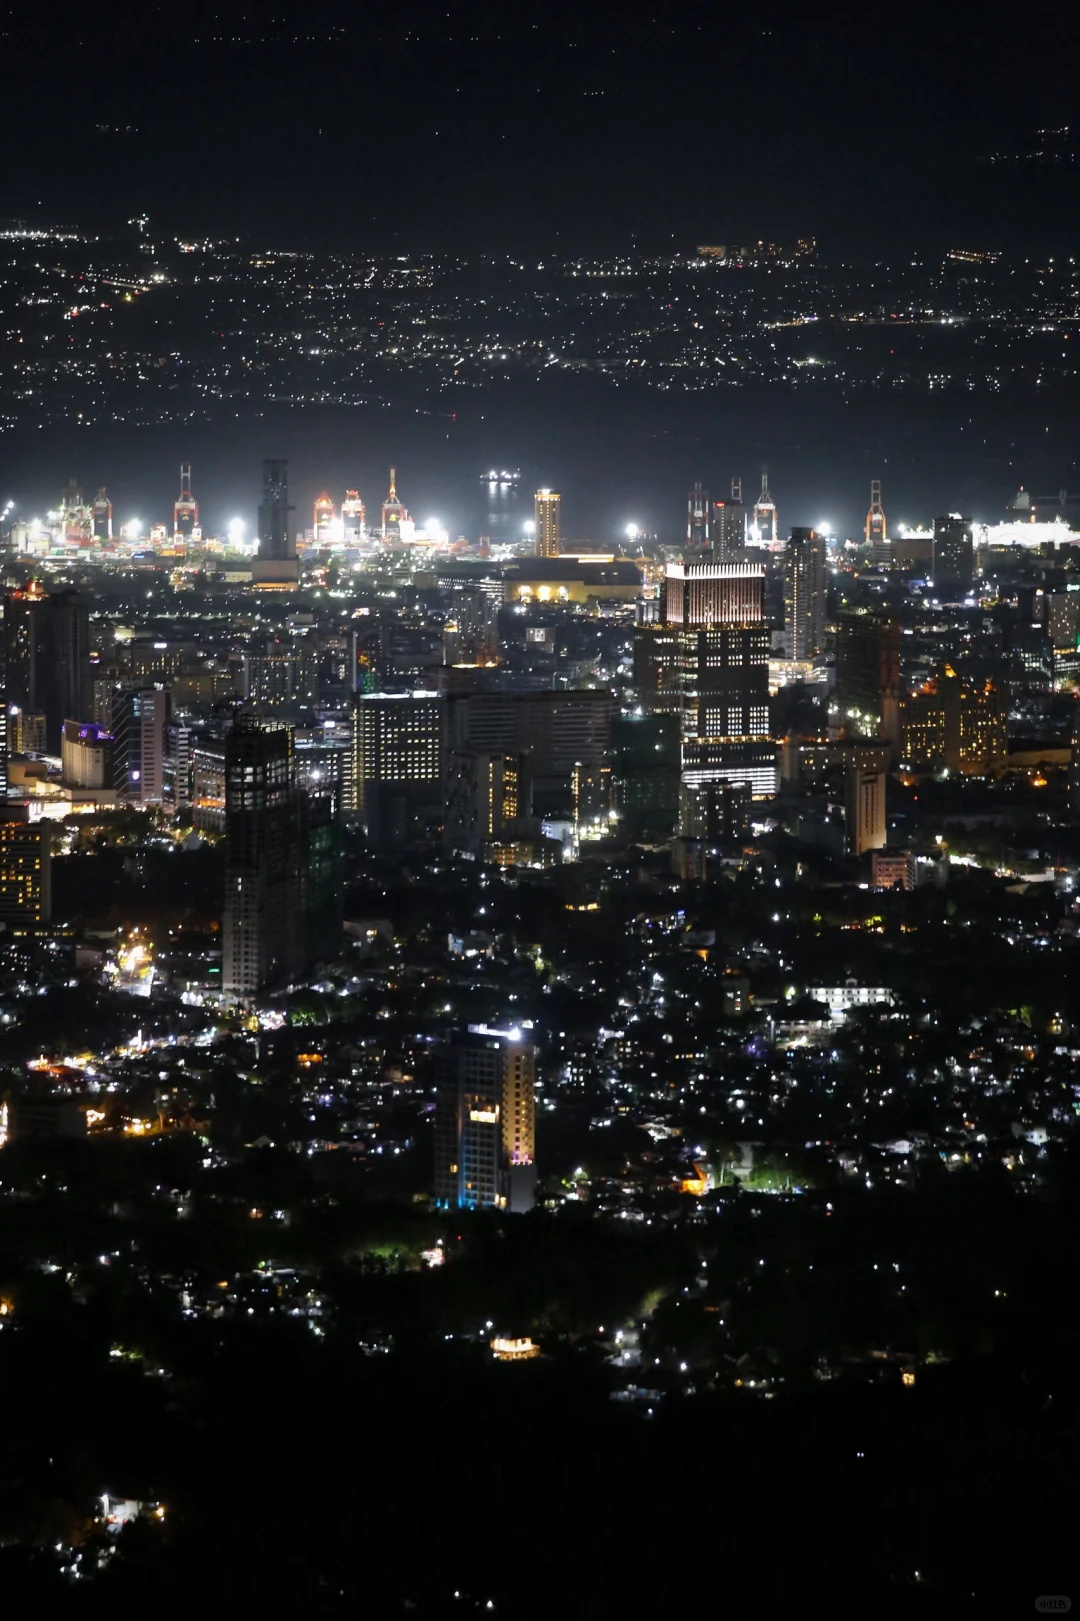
(397, 764)
(954, 555)
(956, 722)
(176, 771)
(555, 732)
(765, 531)
(867, 687)
(729, 527)
(25, 732)
(485, 792)
(393, 513)
(805, 594)
(86, 755)
(277, 542)
(47, 654)
(546, 509)
(7, 713)
(713, 594)
(864, 806)
(697, 519)
(710, 666)
(25, 868)
(262, 856)
(282, 861)
(185, 508)
(281, 671)
(140, 716)
(277, 566)
(485, 1121)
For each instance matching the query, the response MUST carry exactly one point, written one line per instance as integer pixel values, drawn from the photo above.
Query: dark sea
(617, 456)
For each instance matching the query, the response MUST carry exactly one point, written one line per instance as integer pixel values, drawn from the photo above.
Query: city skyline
(539, 809)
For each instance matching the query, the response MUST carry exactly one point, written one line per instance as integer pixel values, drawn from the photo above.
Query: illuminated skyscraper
(547, 505)
(139, 721)
(485, 1121)
(765, 526)
(956, 722)
(25, 868)
(393, 513)
(708, 662)
(713, 593)
(864, 808)
(729, 527)
(697, 519)
(397, 764)
(805, 590)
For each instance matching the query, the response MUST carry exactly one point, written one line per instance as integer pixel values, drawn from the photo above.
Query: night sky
(567, 128)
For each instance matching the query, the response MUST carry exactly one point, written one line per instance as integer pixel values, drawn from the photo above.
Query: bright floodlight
(530, 527)
(236, 529)
(632, 531)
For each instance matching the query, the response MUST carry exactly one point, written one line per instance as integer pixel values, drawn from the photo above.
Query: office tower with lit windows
(281, 672)
(138, 726)
(393, 513)
(485, 1121)
(556, 732)
(176, 767)
(25, 869)
(697, 519)
(25, 732)
(546, 510)
(485, 791)
(806, 580)
(707, 661)
(47, 656)
(713, 594)
(397, 765)
(262, 927)
(954, 555)
(729, 527)
(956, 722)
